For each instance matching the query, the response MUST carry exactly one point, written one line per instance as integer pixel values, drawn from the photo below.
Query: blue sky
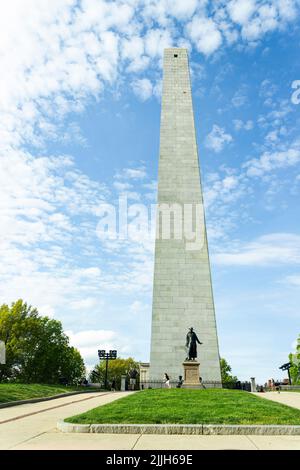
(80, 93)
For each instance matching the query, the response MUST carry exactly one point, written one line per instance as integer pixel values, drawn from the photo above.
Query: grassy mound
(15, 391)
(182, 406)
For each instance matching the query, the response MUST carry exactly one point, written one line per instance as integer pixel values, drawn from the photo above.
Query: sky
(80, 91)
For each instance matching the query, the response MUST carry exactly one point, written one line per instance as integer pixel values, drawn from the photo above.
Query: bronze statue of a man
(191, 344)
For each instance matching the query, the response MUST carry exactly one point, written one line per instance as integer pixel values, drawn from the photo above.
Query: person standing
(167, 381)
(180, 382)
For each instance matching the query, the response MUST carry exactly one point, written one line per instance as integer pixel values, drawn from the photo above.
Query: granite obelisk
(182, 288)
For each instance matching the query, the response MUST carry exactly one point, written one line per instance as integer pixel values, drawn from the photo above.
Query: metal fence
(290, 387)
(282, 387)
(207, 384)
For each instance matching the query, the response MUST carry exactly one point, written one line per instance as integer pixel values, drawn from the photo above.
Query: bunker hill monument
(182, 289)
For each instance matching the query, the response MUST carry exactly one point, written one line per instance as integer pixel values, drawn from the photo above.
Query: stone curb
(37, 400)
(244, 429)
(196, 429)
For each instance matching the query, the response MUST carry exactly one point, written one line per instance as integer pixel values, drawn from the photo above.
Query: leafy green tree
(16, 325)
(295, 360)
(226, 372)
(116, 368)
(72, 365)
(37, 350)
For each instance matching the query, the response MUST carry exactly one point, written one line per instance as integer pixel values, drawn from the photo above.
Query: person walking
(167, 381)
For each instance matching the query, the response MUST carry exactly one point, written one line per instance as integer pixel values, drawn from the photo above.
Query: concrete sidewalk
(53, 440)
(33, 427)
(285, 398)
(23, 423)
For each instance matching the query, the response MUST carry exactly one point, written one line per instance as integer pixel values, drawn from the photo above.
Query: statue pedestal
(191, 375)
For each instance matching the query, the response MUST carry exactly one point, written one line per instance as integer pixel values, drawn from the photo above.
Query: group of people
(167, 381)
(275, 385)
(179, 383)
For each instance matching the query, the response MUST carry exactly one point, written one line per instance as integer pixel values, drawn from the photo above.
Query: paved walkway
(285, 398)
(33, 426)
(21, 425)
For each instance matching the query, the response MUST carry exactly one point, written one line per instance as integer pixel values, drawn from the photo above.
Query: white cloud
(132, 173)
(271, 161)
(220, 192)
(92, 338)
(241, 10)
(230, 182)
(62, 53)
(267, 90)
(205, 34)
(268, 18)
(92, 272)
(143, 88)
(46, 310)
(157, 89)
(156, 41)
(121, 186)
(217, 139)
(287, 9)
(181, 9)
(39, 197)
(133, 50)
(84, 304)
(88, 342)
(293, 280)
(153, 185)
(239, 124)
(275, 249)
(138, 307)
(240, 97)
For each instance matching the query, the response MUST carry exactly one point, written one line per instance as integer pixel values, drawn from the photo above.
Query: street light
(107, 356)
(287, 367)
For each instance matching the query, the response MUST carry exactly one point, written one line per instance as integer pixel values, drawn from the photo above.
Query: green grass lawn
(182, 406)
(15, 391)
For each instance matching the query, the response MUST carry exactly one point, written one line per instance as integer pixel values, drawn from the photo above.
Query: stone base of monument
(191, 375)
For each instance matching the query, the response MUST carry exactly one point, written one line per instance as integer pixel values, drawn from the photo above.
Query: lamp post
(287, 367)
(107, 356)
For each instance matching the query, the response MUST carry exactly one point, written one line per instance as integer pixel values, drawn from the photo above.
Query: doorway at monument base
(191, 375)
